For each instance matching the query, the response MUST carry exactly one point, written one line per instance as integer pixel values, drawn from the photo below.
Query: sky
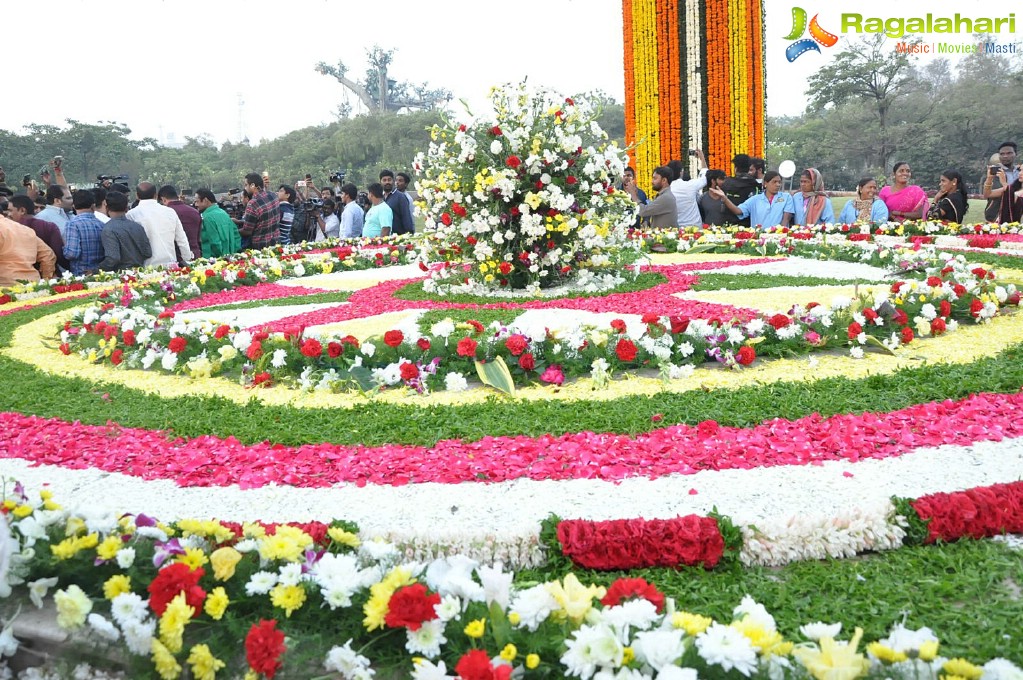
(230, 68)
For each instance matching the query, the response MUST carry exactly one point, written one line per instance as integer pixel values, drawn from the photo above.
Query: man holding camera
(1006, 173)
(687, 194)
(262, 213)
(399, 204)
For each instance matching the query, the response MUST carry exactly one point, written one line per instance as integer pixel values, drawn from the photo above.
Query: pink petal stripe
(659, 299)
(18, 306)
(262, 291)
(678, 449)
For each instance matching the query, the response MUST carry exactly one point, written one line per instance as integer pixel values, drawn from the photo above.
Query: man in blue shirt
(83, 245)
(352, 217)
(58, 202)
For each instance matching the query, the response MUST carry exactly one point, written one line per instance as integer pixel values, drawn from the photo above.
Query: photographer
(328, 224)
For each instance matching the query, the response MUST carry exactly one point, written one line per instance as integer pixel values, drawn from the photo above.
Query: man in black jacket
(403, 221)
(739, 187)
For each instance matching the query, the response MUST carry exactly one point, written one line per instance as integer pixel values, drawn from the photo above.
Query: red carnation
(423, 344)
(854, 330)
(516, 344)
(679, 324)
(979, 272)
(746, 355)
(959, 289)
(172, 580)
(897, 286)
(945, 308)
(625, 588)
(505, 268)
(117, 356)
(869, 314)
(393, 338)
(264, 646)
(618, 325)
(650, 317)
(411, 606)
(178, 344)
(471, 240)
(938, 326)
(527, 362)
(445, 219)
(222, 331)
(458, 209)
(65, 348)
(496, 131)
(934, 281)
(900, 318)
(513, 162)
(255, 350)
(409, 371)
(975, 308)
(907, 335)
(626, 350)
(475, 665)
(779, 321)
(571, 180)
(312, 348)
(335, 349)
(264, 379)
(128, 338)
(466, 347)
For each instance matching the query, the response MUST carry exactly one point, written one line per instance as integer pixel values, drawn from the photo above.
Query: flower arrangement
(165, 598)
(525, 200)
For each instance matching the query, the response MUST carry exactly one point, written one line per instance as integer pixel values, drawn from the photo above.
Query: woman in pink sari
(904, 201)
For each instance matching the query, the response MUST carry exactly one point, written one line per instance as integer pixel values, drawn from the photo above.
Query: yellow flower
(509, 652)
(287, 544)
(73, 605)
(172, 623)
(116, 585)
(574, 598)
(475, 628)
(342, 537)
(532, 661)
(217, 603)
(253, 530)
(288, 598)
(193, 557)
(204, 664)
(23, 511)
(88, 542)
(628, 654)
(224, 562)
(834, 660)
(166, 665)
(886, 654)
(692, 624)
(769, 642)
(963, 668)
(928, 650)
(9, 504)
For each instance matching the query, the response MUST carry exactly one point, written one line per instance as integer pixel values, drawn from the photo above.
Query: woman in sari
(865, 207)
(950, 203)
(904, 201)
(812, 204)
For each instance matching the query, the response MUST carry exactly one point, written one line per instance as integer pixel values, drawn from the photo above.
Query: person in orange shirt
(20, 251)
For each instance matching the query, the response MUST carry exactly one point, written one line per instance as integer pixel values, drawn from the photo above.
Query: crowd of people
(49, 229)
(753, 196)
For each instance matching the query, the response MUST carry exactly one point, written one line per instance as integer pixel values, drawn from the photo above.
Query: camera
(338, 176)
(691, 152)
(112, 179)
(992, 169)
(362, 200)
(312, 204)
(26, 180)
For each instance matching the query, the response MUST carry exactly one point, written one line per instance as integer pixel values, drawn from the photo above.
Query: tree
(869, 69)
(378, 92)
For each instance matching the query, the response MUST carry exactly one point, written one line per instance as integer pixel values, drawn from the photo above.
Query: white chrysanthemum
(676, 673)
(533, 606)
(138, 635)
(817, 630)
(455, 382)
(1001, 669)
(756, 612)
(903, 639)
(125, 558)
(261, 583)
(348, 662)
(427, 640)
(659, 648)
(726, 647)
(103, 627)
(856, 352)
(591, 648)
(129, 607)
(449, 608)
(427, 670)
(636, 613)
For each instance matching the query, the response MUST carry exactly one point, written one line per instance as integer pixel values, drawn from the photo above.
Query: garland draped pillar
(694, 77)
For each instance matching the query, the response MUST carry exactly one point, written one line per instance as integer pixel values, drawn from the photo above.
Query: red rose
(626, 588)
(128, 338)
(172, 580)
(745, 356)
(938, 326)
(409, 371)
(975, 308)
(679, 324)
(335, 349)
(423, 344)
(222, 331)
(411, 606)
(65, 348)
(626, 350)
(527, 362)
(854, 330)
(516, 344)
(570, 180)
(312, 348)
(945, 308)
(1013, 299)
(393, 338)
(505, 268)
(779, 321)
(177, 344)
(907, 335)
(255, 350)
(475, 665)
(466, 347)
(117, 356)
(445, 219)
(264, 646)
(618, 325)
(513, 162)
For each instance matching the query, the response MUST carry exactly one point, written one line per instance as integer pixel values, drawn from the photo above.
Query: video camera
(112, 179)
(338, 176)
(312, 204)
(362, 200)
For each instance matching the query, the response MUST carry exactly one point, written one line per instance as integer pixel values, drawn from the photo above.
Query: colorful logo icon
(819, 35)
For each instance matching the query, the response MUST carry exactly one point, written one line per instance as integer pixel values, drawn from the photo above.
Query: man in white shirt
(163, 227)
(687, 194)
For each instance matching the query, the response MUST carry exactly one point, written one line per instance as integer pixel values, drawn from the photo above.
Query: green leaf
(703, 248)
(496, 374)
(874, 342)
